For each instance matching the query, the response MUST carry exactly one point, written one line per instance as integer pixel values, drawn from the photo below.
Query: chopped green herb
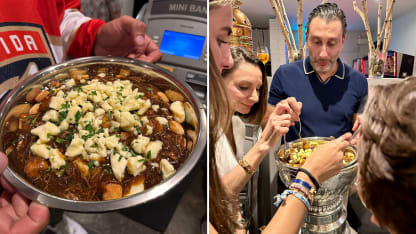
(114, 151)
(139, 96)
(110, 115)
(101, 130)
(125, 148)
(65, 94)
(48, 170)
(78, 88)
(49, 148)
(91, 164)
(117, 135)
(108, 97)
(48, 135)
(133, 153)
(52, 91)
(34, 121)
(119, 158)
(62, 115)
(107, 171)
(89, 128)
(94, 93)
(59, 140)
(28, 118)
(148, 154)
(119, 93)
(148, 89)
(65, 105)
(65, 166)
(166, 125)
(141, 160)
(69, 138)
(78, 116)
(141, 122)
(116, 129)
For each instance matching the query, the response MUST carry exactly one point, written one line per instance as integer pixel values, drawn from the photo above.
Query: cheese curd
(178, 111)
(118, 165)
(135, 165)
(167, 168)
(45, 131)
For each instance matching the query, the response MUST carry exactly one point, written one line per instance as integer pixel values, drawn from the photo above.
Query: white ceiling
(260, 11)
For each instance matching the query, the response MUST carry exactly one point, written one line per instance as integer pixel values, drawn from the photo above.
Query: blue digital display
(182, 44)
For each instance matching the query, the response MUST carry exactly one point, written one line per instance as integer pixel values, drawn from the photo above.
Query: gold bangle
(246, 166)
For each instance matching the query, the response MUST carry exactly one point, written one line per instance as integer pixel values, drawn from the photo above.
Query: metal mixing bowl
(159, 190)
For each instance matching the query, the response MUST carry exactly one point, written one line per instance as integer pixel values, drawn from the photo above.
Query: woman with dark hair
(387, 162)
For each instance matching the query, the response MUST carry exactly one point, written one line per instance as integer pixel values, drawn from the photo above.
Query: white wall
(352, 49)
(277, 45)
(403, 34)
(258, 35)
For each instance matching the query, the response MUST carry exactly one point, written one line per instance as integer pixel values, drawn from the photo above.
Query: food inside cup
(298, 152)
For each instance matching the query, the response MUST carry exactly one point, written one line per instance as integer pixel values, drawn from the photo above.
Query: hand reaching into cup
(327, 159)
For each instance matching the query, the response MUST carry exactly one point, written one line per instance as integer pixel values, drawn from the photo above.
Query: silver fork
(300, 129)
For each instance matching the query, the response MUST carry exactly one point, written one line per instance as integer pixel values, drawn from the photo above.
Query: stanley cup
(328, 212)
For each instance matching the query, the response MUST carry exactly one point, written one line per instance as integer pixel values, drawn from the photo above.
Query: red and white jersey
(35, 34)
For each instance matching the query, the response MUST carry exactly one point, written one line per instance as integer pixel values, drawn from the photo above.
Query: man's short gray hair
(329, 12)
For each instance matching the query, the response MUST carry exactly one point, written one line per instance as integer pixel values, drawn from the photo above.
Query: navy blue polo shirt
(327, 107)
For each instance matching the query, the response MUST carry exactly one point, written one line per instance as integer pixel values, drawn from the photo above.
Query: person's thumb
(3, 162)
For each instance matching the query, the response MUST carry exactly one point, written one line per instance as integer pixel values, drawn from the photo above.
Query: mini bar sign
(182, 7)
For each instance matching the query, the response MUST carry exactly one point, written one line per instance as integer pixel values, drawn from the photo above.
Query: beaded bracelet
(303, 190)
(282, 197)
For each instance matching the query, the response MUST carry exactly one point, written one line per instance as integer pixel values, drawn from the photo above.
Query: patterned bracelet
(282, 197)
(302, 182)
(303, 190)
(246, 166)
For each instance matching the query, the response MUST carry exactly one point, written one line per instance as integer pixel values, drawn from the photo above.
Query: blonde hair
(387, 155)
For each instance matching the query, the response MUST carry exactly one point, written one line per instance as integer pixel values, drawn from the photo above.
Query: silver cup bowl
(328, 209)
(44, 76)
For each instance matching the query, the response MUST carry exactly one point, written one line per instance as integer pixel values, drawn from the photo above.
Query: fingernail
(139, 40)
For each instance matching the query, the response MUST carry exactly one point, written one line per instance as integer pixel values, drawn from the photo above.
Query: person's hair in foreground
(241, 55)
(387, 162)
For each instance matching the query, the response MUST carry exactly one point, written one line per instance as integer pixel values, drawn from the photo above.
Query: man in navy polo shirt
(330, 91)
